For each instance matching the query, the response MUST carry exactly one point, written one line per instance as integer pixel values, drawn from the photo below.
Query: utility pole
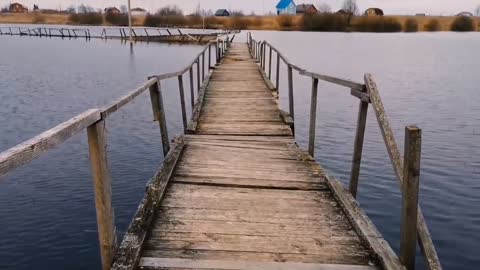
(130, 21)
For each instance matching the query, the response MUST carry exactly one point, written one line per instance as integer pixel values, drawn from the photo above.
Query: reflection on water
(47, 209)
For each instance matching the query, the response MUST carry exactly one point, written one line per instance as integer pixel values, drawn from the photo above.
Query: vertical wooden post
(358, 147)
(313, 117)
(264, 56)
(198, 74)
(270, 64)
(291, 104)
(278, 72)
(102, 184)
(159, 115)
(217, 53)
(209, 56)
(203, 66)
(411, 175)
(192, 91)
(182, 102)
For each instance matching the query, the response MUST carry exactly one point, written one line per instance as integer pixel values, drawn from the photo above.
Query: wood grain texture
(102, 186)
(33, 148)
(127, 255)
(424, 238)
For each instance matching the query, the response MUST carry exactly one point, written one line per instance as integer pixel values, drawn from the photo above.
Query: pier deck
(235, 191)
(243, 195)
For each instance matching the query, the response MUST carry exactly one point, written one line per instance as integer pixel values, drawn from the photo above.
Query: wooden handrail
(367, 93)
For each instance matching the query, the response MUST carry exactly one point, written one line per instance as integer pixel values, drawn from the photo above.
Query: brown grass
(247, 22)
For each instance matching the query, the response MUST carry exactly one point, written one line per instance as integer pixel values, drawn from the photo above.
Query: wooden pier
(235, 191)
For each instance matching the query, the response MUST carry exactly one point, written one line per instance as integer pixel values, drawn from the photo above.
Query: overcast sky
(436, 7)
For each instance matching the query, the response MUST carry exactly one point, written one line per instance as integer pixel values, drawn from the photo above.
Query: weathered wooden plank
(358, 147)
(116, 105)
(158, 109)
(239, 265)
(102, 183)
(338, 81)
(412, 152)
(313, 118)
(365, 227)
(128, 254)
(250, 256)
(424, 237)
(33, 148)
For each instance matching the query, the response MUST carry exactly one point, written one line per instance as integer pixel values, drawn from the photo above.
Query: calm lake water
(47, 212)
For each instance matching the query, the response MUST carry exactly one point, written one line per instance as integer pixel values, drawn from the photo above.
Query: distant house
(421, 14)
(344, 12)
(222, 13)
(286, 7)
(17, 8)
(138, 12)
(306, 9)
(112, 10)
(465, 13)
(373, 12)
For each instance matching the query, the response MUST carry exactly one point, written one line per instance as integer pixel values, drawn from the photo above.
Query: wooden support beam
(209, 56)
(264, 56)
(203, 66)
(411, 174)
(291, 101)
(159, 114)
(277, 84)
(313, 117)
(217, 53)
(198, 74)
(102, 184)
(424, 237)
(358, 147)
(192, 88)
(270, 64)
(182, 103)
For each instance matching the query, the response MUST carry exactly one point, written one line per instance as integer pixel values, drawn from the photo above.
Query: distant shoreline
(275, 23)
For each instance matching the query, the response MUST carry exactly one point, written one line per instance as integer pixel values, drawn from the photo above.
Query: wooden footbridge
(235, 191)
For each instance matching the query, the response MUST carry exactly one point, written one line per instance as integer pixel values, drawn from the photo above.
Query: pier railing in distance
(93, 121)
(407, 171)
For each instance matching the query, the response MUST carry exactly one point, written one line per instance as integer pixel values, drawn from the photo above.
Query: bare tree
(324, 8)
(123, 9)
(83, 9)
(170, 11)
(477, 11)
(71, 9)
(350, 6)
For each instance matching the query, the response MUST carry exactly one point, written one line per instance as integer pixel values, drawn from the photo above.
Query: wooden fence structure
(406, 171)
(94, 120)
(46, 32)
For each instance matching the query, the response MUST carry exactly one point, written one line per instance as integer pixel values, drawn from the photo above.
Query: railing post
(270, 64)
(192, 91)
(182, 102)
(278, 72)
(264, 56)
(358, 147)
(291, 103)
(159, 115)
(313, 117)
(203, 66)
(102, 184)
(209, 56)
(217, 53)
(411, 175)
(198, 74)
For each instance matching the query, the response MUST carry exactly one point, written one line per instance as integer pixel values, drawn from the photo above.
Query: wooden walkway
(243, 195)
(235, 191)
